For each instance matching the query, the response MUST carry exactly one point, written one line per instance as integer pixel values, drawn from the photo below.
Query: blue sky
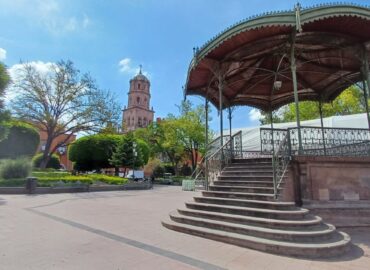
(111, 38)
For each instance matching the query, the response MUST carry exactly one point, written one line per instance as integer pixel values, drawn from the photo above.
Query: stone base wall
(336, 188)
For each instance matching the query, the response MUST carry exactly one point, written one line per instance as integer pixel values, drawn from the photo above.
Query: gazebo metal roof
(329, 42)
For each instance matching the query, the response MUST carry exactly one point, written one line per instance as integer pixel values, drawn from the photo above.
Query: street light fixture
(135, 155)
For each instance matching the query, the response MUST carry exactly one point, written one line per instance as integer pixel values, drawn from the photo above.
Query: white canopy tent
(251, 136)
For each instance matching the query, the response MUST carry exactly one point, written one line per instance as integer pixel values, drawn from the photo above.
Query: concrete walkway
(122, 230)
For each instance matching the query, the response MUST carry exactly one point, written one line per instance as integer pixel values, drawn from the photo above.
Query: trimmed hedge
(93, 152)
(22, 140)
(54, 162)
(52, 178)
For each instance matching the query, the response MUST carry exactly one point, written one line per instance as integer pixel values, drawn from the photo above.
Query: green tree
(124, 154)
(350, 101)
(4, 115)
(62, 101)
(189, 130)
(23, 140)
(93, 152)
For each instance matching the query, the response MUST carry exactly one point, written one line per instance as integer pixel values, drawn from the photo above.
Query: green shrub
(22, 140)
(52, 178)
(93, 152)
(158, 171)
(111, 180)
(53, 163)
(18, 168)
(49, 174)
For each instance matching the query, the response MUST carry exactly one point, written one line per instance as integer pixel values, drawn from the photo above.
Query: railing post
(289, 143)
(322, 127)
(206, 174)
(241, 144)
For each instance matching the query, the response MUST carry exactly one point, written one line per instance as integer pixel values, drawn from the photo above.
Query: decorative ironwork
(269, 139)
(330, 141)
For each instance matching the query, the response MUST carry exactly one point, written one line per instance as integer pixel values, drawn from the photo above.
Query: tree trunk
(46, 155)
(116, 171)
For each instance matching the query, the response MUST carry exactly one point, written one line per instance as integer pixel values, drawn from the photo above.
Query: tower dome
(140, 76)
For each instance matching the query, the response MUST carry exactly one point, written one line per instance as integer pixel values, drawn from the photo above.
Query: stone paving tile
(44, 242)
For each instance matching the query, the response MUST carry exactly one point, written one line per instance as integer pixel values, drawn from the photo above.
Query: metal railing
(271, 140)
(223, 156)
(317, 141)
(280, 161)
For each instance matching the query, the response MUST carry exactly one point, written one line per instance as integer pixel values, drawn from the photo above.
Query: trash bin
(31, 185)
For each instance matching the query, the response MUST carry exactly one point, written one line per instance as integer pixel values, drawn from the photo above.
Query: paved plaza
(122, 230)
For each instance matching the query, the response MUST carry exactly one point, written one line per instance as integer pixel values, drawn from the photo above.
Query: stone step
(239, 195)
(265, 190)
(249, 211)
(311, 250)
(247, 203)
(248, 168)
(299, 236)
(247, 172)
(252, 160)
(245, 177)
(244, 183)
(310, 222)
(251, 166)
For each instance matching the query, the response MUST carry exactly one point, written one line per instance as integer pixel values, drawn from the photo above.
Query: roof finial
(140, 66)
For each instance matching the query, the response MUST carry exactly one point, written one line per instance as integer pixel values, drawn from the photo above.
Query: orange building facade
(61, 151)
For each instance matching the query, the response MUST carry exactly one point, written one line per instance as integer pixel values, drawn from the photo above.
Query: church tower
(137, 113)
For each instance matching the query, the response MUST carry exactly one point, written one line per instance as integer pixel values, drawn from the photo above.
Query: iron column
(220, 90)
(366, 83)
(205, 160)
(293, 68)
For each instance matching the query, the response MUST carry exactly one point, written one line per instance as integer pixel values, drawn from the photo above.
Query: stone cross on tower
(138, 114)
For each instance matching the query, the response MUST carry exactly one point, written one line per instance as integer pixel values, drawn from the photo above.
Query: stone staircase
(239, 208)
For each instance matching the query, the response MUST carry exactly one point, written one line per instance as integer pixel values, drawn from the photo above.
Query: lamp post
(135, 154)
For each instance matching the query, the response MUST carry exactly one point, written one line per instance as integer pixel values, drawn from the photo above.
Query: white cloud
(125, 66)
(53, 15)
(254, 115)
(2, 54)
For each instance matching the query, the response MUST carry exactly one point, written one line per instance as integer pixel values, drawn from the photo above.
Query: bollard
(31, 185)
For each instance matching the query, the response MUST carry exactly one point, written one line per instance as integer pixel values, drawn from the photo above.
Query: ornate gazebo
(254, 200)
(276, 58)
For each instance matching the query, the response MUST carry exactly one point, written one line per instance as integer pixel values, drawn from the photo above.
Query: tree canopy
(93, 152)
(4, 115)
(350, 101)
(22, 140)
(177, 137)
(130, 152)
(62, 101)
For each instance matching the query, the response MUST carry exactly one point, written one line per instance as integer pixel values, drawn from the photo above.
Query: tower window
(138, 86)
(138, 100)
(139, 122)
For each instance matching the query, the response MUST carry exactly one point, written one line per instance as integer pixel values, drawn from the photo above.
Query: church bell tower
(138, 114)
